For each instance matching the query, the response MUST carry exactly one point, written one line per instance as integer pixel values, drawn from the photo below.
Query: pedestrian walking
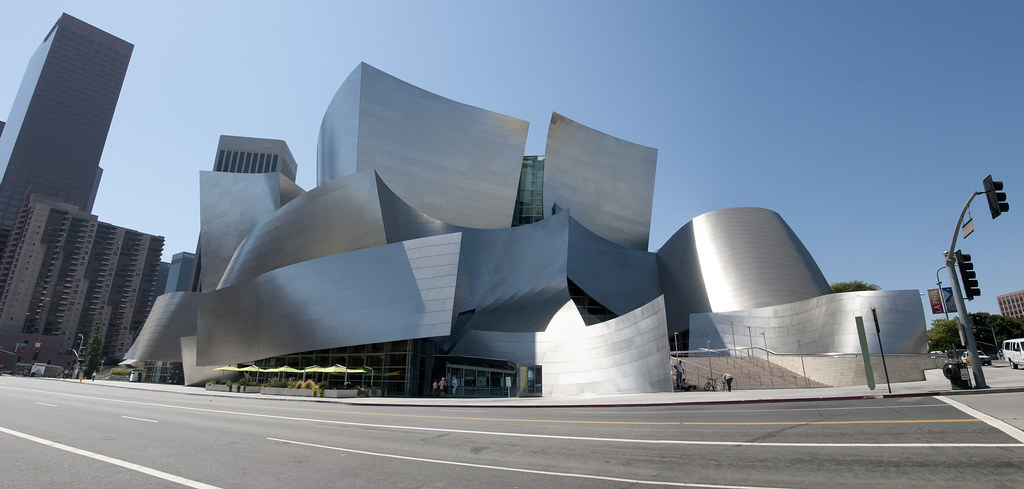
(679, 374)
(433, 389)
(442, 386)
(455, 386)
(727, 378)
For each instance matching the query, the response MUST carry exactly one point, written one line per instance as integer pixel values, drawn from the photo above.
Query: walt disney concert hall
(431, 246)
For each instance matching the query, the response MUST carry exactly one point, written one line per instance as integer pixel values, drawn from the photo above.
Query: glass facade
(389, 366)
(530, 196)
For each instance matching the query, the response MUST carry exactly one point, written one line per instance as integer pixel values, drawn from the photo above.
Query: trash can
(958, 374)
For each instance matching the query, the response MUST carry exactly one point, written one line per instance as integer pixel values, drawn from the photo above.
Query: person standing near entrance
(455, 386)
(442, 386)
(679, 374)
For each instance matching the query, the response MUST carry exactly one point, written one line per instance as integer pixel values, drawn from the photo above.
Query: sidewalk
(1000, 378)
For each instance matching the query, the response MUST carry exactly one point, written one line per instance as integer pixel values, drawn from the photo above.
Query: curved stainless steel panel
(621, 279)
(681, 279)
(749, 258)
(347, 214)
(385, 293)
(516, 275)
(625, 355)
(173, 315)
(196, 375)
(822, 325)
(231, 204)
(607, 183)
(454, 162)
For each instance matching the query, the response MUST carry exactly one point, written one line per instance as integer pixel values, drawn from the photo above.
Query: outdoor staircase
(748, 372)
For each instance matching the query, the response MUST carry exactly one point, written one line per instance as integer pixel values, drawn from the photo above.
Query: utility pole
(997, 205)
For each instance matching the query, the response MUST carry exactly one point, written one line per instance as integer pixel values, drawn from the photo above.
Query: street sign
(968, 228)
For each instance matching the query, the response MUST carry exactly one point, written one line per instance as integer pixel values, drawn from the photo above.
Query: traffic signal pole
(961, 308)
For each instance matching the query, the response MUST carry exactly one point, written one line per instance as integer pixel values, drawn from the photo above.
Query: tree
(92, 362)
(853, 286)
(1003, 327)
(943, 335)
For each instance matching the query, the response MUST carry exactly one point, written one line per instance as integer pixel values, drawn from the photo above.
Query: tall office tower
(66, 273)
(60, 118)
(179, 274)
(1011, 304)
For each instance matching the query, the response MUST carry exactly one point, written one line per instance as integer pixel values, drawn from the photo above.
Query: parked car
(982, 357)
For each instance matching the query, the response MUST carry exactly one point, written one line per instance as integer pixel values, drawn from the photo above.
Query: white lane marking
(110, 460)
(719, 411)
(140, 419)
(527, 471)
(45, 404)
(554, 437)
(1000, 425)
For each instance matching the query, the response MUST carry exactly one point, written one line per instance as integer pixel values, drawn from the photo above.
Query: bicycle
(712, 385)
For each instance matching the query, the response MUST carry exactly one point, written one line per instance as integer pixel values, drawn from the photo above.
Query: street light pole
(961, 308)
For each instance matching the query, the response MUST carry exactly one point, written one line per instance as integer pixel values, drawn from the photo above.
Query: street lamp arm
(956, 230)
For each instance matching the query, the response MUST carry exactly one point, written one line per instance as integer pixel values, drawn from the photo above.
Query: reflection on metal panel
(620, 278)
(452, 161)
(749, 258)
(347, 214)
(231, 204)
(196, 375)
(822, 325)
(681, 279)
(173, 315)
(606, 182)
(517, 275)
(385, 293)
(625, 355)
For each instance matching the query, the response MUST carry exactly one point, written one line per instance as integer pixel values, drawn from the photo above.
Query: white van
(1013, 351)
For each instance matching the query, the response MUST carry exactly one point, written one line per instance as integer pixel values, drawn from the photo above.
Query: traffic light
(967, 275)
(996, 199)
(35, 356)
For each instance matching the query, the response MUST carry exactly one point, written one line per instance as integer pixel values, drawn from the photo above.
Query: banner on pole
(936, 301)
(947, 299)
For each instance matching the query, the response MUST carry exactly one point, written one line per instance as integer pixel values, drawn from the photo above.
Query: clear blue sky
(865, 124)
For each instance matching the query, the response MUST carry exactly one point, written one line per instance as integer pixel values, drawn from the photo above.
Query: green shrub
(121, 372)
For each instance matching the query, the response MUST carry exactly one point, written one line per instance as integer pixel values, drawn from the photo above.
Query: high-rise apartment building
(66, 273)
(58, 124)
(1011, 304)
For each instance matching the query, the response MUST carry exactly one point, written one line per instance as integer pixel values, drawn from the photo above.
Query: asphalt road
(65, 434)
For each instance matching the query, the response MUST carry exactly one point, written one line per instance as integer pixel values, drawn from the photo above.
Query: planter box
(283, 391)
(341, 392)
(252, 389)
(121, 378)
(217, 387)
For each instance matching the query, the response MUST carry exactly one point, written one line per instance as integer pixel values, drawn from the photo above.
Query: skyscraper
(58, 124)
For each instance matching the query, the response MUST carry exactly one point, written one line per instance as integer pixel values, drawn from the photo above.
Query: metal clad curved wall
(823, 324)
(385, 293)
(516, 275)
(341, 216)
(620, 278)
(681, 279)
(625, 355)
(750, 258)
(454, 162)
(173, 315)
(607, 183)
(230, 206)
